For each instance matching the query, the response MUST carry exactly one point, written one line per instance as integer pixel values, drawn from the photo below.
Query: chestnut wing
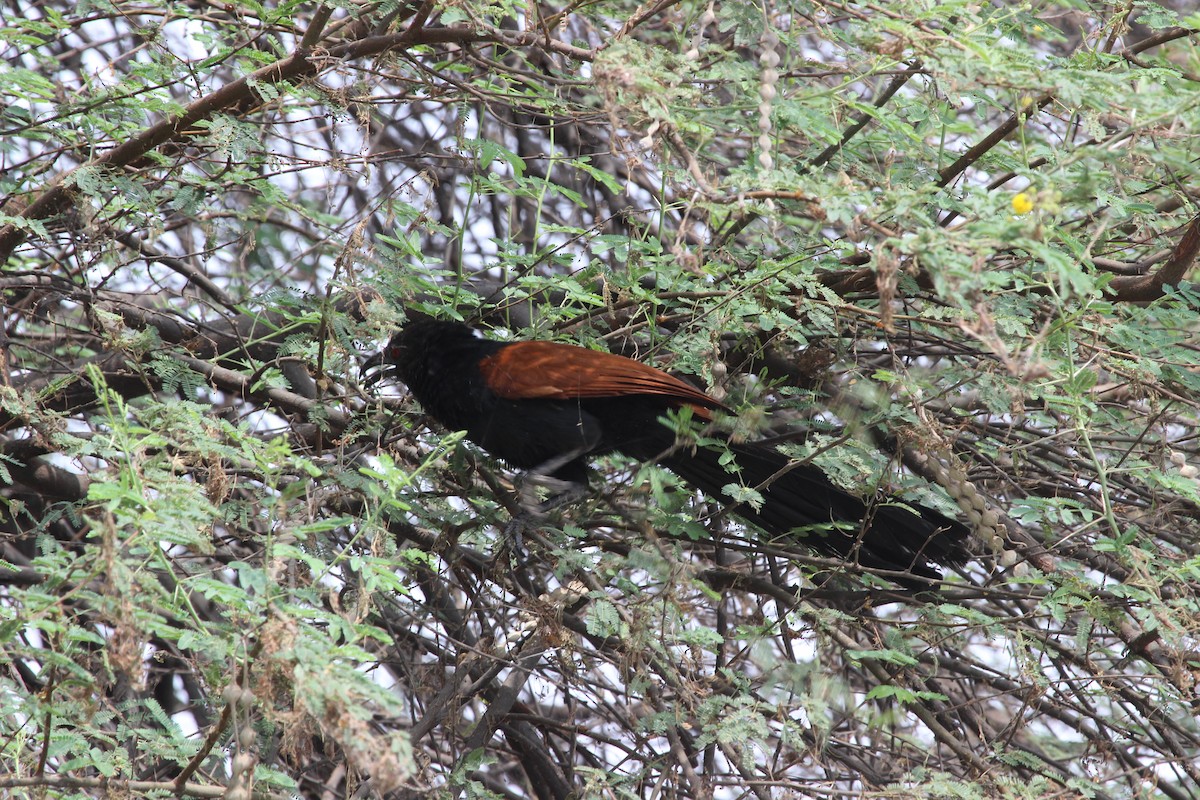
(552, 371)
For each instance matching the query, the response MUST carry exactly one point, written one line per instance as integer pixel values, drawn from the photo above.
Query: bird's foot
(533, 513)
(512, 541)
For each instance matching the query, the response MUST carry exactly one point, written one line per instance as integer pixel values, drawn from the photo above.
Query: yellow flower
(1022, 203)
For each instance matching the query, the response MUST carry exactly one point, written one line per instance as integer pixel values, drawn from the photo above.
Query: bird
(549, 407)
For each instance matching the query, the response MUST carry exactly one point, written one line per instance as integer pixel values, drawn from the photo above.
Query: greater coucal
(549, 407)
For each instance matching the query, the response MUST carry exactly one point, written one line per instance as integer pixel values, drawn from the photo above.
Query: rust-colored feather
(552, 371)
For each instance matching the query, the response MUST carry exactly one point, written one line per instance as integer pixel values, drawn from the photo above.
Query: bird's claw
(512, 541)
(533, 513)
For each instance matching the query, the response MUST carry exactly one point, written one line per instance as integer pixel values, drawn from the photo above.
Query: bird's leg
(543, 475)
(562, 492)
(557, 488)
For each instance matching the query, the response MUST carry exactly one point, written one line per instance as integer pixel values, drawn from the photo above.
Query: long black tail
(880, 535)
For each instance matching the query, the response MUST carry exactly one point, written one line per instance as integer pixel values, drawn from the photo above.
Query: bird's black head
(381, 365)
(421, 339)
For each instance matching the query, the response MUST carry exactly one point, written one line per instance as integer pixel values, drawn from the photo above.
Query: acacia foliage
(948, 241)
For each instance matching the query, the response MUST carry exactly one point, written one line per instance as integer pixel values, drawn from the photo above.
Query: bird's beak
(373, 370)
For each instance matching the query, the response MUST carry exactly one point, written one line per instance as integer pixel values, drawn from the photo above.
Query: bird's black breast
(529, 433)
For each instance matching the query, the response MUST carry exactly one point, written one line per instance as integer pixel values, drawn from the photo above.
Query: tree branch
(1144, 288)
